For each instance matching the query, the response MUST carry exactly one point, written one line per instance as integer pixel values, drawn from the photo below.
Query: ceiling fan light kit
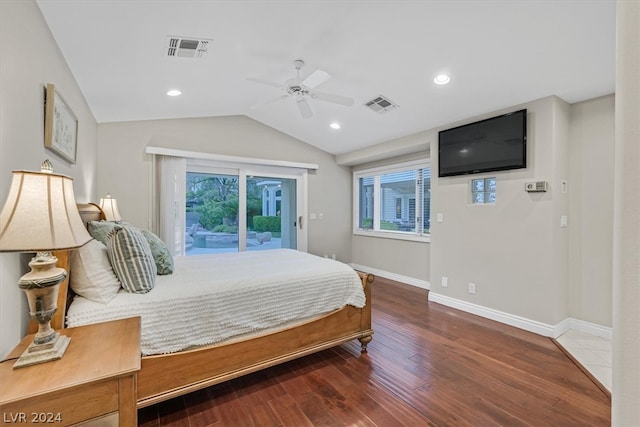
(303, 89)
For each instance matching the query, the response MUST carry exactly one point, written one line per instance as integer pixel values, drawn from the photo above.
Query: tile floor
(593, 352)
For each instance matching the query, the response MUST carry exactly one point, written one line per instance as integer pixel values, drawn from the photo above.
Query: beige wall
(402, 260)
(31, 59)
(591, 210)
(626, 225)
(124, 168)
(514, 251)
(566, 142)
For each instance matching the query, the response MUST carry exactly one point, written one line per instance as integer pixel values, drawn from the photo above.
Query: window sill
(426, 238)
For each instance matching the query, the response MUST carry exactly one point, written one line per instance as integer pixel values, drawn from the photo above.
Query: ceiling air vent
(186, 47)
(380, 104)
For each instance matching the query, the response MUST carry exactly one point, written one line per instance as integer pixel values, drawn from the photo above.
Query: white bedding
(211, 298)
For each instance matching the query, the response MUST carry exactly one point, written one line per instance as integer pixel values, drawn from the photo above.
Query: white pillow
(91, 274)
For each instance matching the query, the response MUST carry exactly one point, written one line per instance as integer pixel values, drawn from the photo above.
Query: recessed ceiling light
(174, 92)
(335, 125)
(441, 79)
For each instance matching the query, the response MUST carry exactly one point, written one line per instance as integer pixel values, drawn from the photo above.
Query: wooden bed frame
(163, 377)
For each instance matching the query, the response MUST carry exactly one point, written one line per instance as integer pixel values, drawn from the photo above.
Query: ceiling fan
(302, 89)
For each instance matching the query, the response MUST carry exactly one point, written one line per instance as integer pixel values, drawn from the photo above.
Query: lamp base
(42, 353)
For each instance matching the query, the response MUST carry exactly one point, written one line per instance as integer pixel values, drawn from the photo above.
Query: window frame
(376, 173)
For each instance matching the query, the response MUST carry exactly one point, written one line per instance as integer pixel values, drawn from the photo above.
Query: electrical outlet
(445, 282)
(472, 288)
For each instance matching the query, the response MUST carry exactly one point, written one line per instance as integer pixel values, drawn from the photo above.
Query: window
(232, 210)
(483, 191)
(208, 203)
(211, 216)
(393, 201)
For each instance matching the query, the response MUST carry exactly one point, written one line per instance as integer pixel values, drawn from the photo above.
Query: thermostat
(536, 187)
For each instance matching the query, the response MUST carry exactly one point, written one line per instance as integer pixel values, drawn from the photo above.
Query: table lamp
(109, 207)
(40, 215)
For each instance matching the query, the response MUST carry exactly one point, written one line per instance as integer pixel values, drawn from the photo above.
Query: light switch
(564, 221)
(439, 217)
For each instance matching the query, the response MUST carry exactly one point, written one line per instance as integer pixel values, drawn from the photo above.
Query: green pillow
(131, 259)
(160, 252)
(100, 229)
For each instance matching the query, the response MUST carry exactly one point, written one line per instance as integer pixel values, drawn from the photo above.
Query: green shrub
(387, 225)
(214, 213)
(367, 223)
(223, 228)
(266, 223)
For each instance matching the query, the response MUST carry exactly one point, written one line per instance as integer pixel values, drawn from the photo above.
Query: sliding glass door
(271, 213)
(231, 210)
(211, 218)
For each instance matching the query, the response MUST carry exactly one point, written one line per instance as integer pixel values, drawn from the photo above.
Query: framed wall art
(60, 126)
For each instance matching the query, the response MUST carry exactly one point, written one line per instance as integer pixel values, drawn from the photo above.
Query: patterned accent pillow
(100, 229)
(131, 259)
(161, 254)
(93, 277)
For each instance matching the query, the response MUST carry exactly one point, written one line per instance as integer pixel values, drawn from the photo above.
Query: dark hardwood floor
(428, 365)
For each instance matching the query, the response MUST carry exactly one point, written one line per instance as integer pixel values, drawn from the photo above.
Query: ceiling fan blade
(316, 79)
(268, 102)
(330, 97)
(304, 108)
(268, 83)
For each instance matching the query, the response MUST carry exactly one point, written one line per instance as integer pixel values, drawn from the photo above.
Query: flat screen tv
(495, 144)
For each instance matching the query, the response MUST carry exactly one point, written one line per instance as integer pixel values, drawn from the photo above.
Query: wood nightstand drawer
(94, 381)
(90, 401)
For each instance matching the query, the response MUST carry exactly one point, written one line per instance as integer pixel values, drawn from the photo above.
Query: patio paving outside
(252, 245)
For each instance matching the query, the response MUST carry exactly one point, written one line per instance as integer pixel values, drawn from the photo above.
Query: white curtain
(168, 209)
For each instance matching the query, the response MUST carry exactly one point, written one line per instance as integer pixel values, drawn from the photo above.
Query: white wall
(124, 170)
(591, 210)
(31, 59)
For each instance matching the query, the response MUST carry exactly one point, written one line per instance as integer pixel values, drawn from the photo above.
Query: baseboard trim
(591, 328)
(544, 329)
(393, 276)
(497, 315)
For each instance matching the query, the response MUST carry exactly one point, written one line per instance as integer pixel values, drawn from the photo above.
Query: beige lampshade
(40, 214)
(109, 206)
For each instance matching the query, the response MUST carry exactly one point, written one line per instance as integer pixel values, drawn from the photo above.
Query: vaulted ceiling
(497, 54)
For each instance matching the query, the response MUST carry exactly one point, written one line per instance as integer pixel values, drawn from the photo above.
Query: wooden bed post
(365, 322)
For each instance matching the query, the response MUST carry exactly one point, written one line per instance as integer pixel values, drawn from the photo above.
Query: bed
(176, 371)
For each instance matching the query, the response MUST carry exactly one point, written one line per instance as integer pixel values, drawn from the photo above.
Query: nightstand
(93, 384)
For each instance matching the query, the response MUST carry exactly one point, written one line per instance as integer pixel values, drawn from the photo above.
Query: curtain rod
(225, 158)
